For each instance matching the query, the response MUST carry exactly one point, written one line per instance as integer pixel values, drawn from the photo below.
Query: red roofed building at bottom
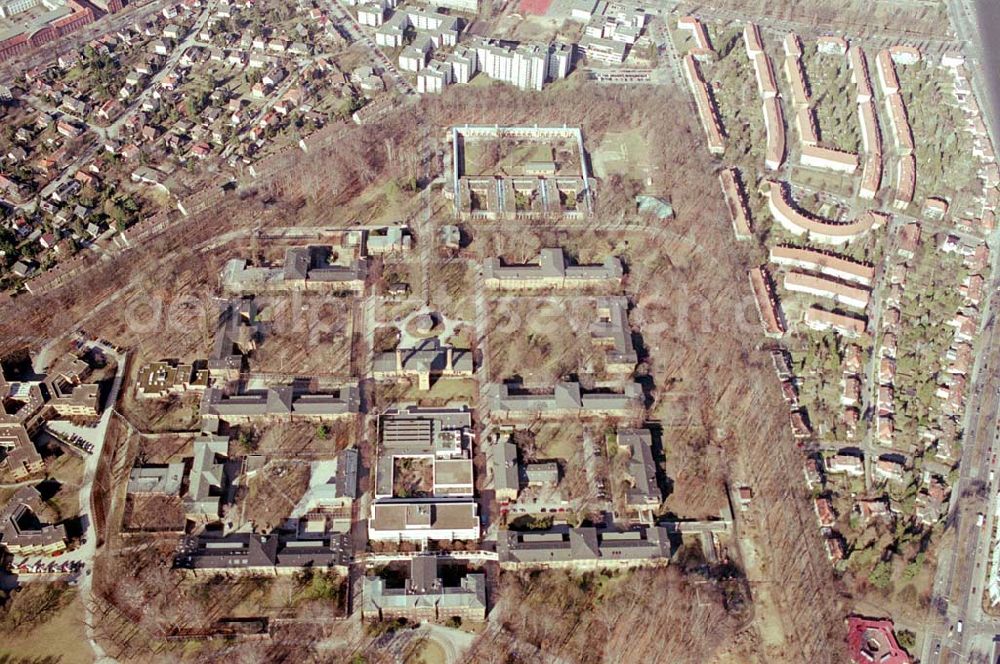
(871, 640)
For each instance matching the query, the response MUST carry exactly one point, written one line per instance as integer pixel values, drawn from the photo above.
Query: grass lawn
(442, 392)
(395, 271)
(836, 115)
(558, 440)
(61, 638)
(174, 412)
(302, 438)
(622, 153)
(489, 156)
(427, 651)
(384, 204)
(451, 284)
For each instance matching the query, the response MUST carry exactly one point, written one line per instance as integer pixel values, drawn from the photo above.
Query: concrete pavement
(89, 549)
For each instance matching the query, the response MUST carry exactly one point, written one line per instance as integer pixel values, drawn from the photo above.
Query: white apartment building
(14, 7)
(413, 58)
(528, 66)
(469, 6)
(464, 64)
(441, 28)
(433, 78)
(422, 520)
(371, 15)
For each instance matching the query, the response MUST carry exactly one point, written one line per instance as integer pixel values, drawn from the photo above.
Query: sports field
(535, 7)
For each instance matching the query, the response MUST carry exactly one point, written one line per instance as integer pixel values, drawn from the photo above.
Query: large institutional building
(528, 66)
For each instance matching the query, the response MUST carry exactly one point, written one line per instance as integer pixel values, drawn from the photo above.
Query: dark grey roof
(207, 477)
(18, 525)
(347, 473)
(564, 544)
(312, 263)
(505, 469)
(427, 356)
(564, 397)
(641, 466)
(281, 400)
(424, 590)
(423, 574)
(613, 325)
(245, 550)
(552, 264)
(237, 327)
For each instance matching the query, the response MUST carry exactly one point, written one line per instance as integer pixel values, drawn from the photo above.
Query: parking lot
(38, 566)
(77, 443)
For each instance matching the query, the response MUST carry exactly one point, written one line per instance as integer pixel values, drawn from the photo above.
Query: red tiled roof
(864, 635)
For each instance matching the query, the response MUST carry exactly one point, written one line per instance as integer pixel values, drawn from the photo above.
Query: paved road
(959, 580)
(89, 550)
(454, 642)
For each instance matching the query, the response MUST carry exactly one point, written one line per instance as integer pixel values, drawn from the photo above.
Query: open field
(398, 271)
(442, 392)
(429, 651)
(549, 440)
(450, 292)
(625, 154)
(164, 449)
(153, 513)
(560, 442)
(514, 157)
(174, 412)
(57, 638)
(67, 470)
